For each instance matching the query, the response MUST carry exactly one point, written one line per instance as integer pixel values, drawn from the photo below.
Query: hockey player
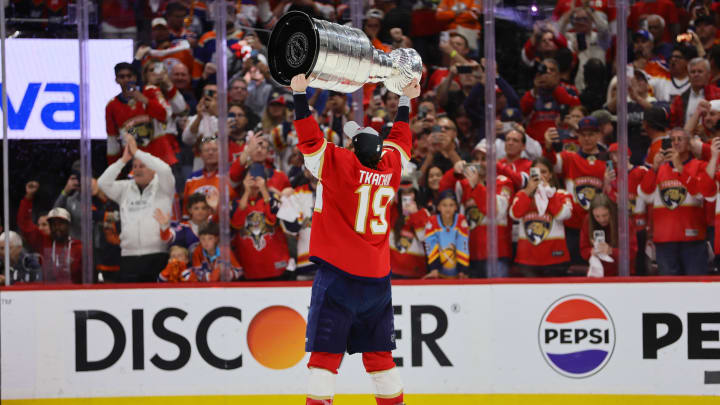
(351, 305)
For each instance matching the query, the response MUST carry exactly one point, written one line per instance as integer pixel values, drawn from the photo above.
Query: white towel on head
(543, 193)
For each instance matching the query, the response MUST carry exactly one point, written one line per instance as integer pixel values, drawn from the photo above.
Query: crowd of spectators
(155, 205)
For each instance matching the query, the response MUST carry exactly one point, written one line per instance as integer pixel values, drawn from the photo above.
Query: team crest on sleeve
(474, 217)
(537, 227)
(571, 147)
(140, 128)
(586, 188)
(256, 228)
(405, 241)
(672, 193)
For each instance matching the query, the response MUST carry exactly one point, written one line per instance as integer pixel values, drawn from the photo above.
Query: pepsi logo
(576, 336)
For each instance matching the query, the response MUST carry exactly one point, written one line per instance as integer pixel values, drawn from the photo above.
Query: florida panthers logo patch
(586, 188)
(537, 227)
(474, 217)
(256, 228)
(672, 193)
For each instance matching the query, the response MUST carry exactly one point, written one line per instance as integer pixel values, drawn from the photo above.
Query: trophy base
(293, 47)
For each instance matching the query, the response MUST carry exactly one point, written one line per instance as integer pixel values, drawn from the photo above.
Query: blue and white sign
(43, 86)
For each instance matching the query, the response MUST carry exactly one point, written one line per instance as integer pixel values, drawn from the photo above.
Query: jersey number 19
(380, 200)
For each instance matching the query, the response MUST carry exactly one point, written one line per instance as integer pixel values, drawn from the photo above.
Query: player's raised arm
(311, 141)
(400, 137)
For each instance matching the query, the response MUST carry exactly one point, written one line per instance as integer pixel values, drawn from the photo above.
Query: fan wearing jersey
(351, 305)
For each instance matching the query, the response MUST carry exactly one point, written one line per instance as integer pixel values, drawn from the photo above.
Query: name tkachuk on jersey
(351, 204)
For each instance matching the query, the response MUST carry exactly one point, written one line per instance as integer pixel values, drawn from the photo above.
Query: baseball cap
(657, 117)
(366, 141)
(603, 116)
(59, 212)
(159, 21)
(276, 98)
(481, 146)
(614, 148)
(511, 115)
(646, 35)
(590, 123)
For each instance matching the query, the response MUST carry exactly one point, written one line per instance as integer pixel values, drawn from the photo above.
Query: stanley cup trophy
(336, 57)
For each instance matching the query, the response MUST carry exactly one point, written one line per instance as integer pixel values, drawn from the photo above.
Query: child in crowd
(446, 240)
(206, 262)
(177, 267)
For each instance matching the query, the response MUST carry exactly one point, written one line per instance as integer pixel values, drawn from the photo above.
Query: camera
(209, 93)
(540, 68)
(465, 69)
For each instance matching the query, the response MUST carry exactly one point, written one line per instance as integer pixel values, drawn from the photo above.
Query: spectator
(159, 86)
(430, 188)
(705, 121)
(61, 254)
(186, 233)
(259, 242)
(639, 101)
(541, 105)
(514, 165)
(676, 186)
(590, 37)
(177, 267)
(372, 27)
(259, 88)
(180, 77)
(543, 43)
(207, 263)
(707, 31)
(446, 240)
(407, 233)
(541, 208)
(599, 238)
(107, 252)
(24, 266)
(205, 123)
(258, 152)
(296, 210)
(666, 88)
(655, 125)
(132, 112)
(167, 46)
(664, 8)
(683, 106)
(337, 112)
(238, 95)
(144, 253)
(450, 94)
(443, 152)
(463, 17)
(276, 115)
(206, 180)
(712, 171)
(638, 206)
(643, 55)
(656, 26)
(203, 68)
(583, 171)
(238, 127)
(607, 124)
(455, 51)
(506, 100)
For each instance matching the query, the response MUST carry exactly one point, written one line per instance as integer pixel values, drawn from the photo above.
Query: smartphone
(464, 69)
(563, 134)
(209, 93)
(535, 172)
(257, 169)
(599, 236)
(445, 36)
(609, 165)
(666, 144)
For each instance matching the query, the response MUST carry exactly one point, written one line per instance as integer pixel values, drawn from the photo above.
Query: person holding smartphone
(407, 234)
(676, 187)
(204, 124)
(541, 208)
(599, 235)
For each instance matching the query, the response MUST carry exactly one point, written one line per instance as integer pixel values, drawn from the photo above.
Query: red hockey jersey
(584, 176)
(638, 206)
(350, 223)
(541, 239)
(676, 201)
(407, 251)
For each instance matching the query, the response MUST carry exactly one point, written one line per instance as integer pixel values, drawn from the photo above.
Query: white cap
(159, 21)
(715, 105)
(481, 146)
(59, 212)
(374, 13)
(352, 128)
(15, 239)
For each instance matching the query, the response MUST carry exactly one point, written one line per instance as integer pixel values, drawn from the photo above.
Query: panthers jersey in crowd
(584, 175)
(447, 246)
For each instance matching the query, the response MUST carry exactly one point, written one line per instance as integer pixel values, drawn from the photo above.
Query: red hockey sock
(310, 401)
(390, 401)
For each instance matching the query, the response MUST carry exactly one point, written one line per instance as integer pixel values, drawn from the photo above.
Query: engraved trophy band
(336, 57)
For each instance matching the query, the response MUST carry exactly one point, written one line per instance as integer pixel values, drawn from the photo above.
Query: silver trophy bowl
(336, 57)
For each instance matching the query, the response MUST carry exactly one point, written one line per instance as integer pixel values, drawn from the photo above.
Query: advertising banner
(608, 338)
(43, 84)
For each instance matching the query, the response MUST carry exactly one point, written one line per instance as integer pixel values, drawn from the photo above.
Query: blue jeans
(682, 258)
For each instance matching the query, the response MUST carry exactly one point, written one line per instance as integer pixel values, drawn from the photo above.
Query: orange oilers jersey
(350, 223)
